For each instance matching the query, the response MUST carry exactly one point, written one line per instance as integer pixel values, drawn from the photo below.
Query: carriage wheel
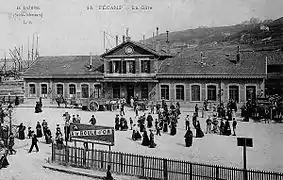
(93, 106)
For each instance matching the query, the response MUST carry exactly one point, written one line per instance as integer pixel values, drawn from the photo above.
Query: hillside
(254, 33)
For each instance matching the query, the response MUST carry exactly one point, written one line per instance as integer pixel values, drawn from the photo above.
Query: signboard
(245, 141)
(93, 134)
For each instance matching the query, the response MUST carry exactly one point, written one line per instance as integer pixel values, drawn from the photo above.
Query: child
(131, 123)
(29, 132)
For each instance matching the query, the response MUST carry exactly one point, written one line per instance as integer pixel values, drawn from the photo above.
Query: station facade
(133, 69)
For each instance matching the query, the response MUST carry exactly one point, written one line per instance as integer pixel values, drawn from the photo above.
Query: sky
(68, 27)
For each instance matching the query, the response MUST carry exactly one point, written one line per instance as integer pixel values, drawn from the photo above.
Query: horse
(61, 100)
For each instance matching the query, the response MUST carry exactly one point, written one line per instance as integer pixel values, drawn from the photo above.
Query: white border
(199, 84)
(239, 89)
(100, 91)
(206, 91)
(40, 89)
(34, 95)
(184, 85)
(167, 84)
(82, 90)
(56, 88)
(76, 86)
(246, 90)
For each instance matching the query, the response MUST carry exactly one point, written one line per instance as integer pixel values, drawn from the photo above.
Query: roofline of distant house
(209, 76)
(67, 76)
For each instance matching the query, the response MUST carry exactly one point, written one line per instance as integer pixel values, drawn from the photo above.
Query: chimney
(123, 38)
(143, 39)
(90, 60)
(127, 35)
(127, 32)
(167, 42)
(157, 31)
(116, 40)
(238, 54)
(167, 37)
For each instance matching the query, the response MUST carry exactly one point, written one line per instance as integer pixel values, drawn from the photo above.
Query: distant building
(132, 69)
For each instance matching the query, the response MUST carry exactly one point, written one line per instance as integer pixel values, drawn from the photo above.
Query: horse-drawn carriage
(267, 108)
(91, 104)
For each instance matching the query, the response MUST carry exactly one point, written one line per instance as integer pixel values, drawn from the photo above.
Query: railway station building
(134, 69)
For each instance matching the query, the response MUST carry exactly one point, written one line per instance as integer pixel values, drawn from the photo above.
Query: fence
(153, 167)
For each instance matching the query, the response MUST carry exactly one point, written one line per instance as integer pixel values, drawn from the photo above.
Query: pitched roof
(215, 63)
(147, 47)
(71, 66)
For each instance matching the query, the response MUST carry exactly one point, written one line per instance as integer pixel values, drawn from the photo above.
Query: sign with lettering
(93, 134)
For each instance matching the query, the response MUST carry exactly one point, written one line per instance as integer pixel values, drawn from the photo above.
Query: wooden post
(76, 159)
(109, 155)
(102, 157)
(52, 153)
(92, 154)
(142, 166)
(191, 171)
(121, 162)
(165, 169)
(245, 161)
(217, 172)
(84, 155)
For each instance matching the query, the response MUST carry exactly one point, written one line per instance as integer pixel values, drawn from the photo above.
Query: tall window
(117, 66)
(59, 89)
(211, 93)
(234, 93)
(195, 92)
(144, 91)
(145, 66)
(85, 91)
(43, 89)
(72, 89)
(116, 91)
(250, 92)
(32, 89)
(131, 67)
(180, 92)
(164, 92)
(97, 90)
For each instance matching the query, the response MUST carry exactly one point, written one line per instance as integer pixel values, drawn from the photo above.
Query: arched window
(85, 91)
(60, 89)
(195, 90)
(211, 93)
(250, 92)
(234, 93)
(32, 91)
(97, 91)
(72, 89)
(44, 90)
(164, 92)
(180, 92)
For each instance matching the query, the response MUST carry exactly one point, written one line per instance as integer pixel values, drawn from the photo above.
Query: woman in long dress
(21, 131)
(189, 138)
(199, 133)
(227, 128)
(173, 129)
(151, 140)
(145, 140)
(38, 130)
(136, 135)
